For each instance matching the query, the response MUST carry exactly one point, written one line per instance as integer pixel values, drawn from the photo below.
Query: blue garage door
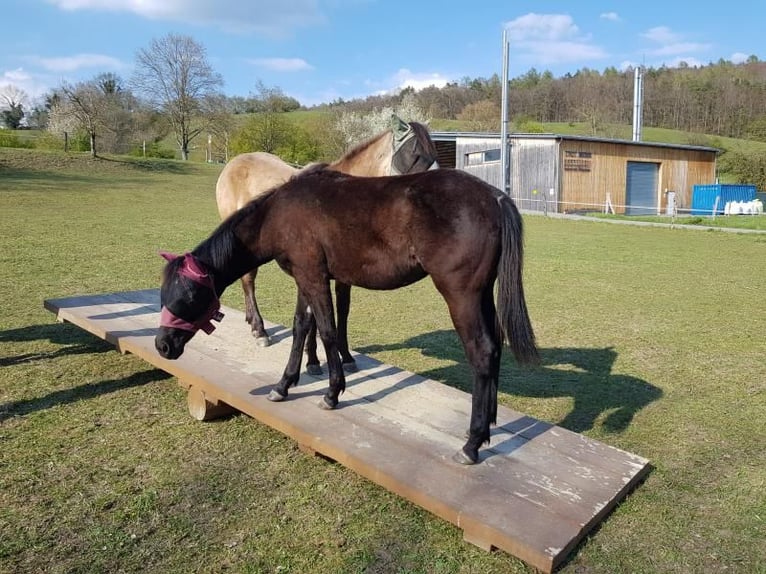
(641, 193)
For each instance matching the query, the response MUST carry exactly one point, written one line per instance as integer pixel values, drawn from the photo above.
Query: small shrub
(153, 150)
(10, 139)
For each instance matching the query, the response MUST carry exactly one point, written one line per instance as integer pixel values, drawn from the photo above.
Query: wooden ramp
(536, 493)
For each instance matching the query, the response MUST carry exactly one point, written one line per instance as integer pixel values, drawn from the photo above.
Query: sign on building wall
(577, 160)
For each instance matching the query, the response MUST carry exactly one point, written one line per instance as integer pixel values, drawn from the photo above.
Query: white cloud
(672, 44)
(537, 27)
(627, 65)
(281, 64)
(404, 78)
(78, 62)
(550, 39)
(679, 48)
(48, 72)
(612, 16)
(33, 86)
(739, 58)
(17, 76)
(691, 62)
(267, 17)
(661, 35)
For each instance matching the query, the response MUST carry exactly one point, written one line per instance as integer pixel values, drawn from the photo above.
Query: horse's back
(382, 232)
(246, 177)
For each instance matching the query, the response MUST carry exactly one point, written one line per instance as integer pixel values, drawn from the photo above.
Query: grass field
(652, 341)
(751, 222)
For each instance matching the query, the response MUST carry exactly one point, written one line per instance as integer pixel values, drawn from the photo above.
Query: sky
(317, 51)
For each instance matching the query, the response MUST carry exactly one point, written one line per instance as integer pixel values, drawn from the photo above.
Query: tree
(355, 127)
(482, 116)
(12, 101)
(263, 132)
(220, 127)
(174, 76)
(272, 99)
(85, 103)
(99, 107)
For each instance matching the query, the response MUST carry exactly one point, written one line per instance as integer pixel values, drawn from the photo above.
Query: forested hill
(721, 99)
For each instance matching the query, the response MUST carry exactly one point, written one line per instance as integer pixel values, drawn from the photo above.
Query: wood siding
(586, 189)
(534, 178)
(576, 174)
(491, 171)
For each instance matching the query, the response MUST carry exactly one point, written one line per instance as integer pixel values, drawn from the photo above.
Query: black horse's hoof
(261, 340)
(350, 367)
(275, 397)
(314, 370)
(327, 404)
(462, 457)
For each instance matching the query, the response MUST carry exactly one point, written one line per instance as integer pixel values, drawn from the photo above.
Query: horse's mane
(421, 133)
(311, 168)
(223, 243)
(359, 148)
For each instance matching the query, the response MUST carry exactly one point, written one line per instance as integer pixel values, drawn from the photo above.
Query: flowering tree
(356, 127)
(12, 101)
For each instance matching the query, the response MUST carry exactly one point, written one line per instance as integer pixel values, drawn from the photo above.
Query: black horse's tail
(511, 306)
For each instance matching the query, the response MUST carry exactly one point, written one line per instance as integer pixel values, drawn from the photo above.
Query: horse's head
(414, 150)
(189, 303)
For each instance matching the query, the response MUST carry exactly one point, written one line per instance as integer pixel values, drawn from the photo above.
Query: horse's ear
(398, 126)
(168, 256)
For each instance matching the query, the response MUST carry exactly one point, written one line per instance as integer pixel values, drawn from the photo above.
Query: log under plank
(538, 490)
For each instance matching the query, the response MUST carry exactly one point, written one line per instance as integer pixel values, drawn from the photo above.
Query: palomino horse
(377, 233)
(405, 148)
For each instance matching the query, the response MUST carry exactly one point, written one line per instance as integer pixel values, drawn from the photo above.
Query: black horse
(377, 233)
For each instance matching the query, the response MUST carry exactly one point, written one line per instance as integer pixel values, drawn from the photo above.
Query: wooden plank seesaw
(537, 491)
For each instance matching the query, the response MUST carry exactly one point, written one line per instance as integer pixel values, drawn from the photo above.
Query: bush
(748, 168)
(10, 139)
(153, 150)
(528, 125)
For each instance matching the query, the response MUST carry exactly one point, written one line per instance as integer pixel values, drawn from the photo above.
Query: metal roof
(452, 136)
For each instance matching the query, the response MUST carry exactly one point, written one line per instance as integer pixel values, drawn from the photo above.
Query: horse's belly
(381, 275)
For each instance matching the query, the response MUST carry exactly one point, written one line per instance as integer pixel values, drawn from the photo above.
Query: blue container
(704, 196)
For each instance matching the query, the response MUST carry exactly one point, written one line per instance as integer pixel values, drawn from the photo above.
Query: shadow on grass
(161, 165)
(15, 180)
(88, 171)
(83, 392)
(585, 375)
(76, 341)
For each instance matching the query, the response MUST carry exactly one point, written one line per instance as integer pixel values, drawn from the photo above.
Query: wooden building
(566, 174)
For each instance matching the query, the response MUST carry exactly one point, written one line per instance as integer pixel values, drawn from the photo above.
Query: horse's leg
(475, 322)
(312, 360)
(292, 372)
(252, 314)
(322, 310)
(343, 303)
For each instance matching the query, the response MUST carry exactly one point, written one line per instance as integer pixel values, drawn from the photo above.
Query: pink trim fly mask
(192, 269)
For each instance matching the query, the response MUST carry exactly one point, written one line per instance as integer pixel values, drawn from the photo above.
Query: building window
(577, 160)
(481, 157)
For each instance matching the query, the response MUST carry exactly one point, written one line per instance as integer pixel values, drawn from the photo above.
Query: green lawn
(754, 222)
(652, 341)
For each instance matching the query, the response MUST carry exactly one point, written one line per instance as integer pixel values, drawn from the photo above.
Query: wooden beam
(538, 490)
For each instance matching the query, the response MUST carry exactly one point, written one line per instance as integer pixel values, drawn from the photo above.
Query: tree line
(720, 99)
(176, 91)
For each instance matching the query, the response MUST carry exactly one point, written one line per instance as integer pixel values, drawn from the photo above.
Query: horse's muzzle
(169, 346)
